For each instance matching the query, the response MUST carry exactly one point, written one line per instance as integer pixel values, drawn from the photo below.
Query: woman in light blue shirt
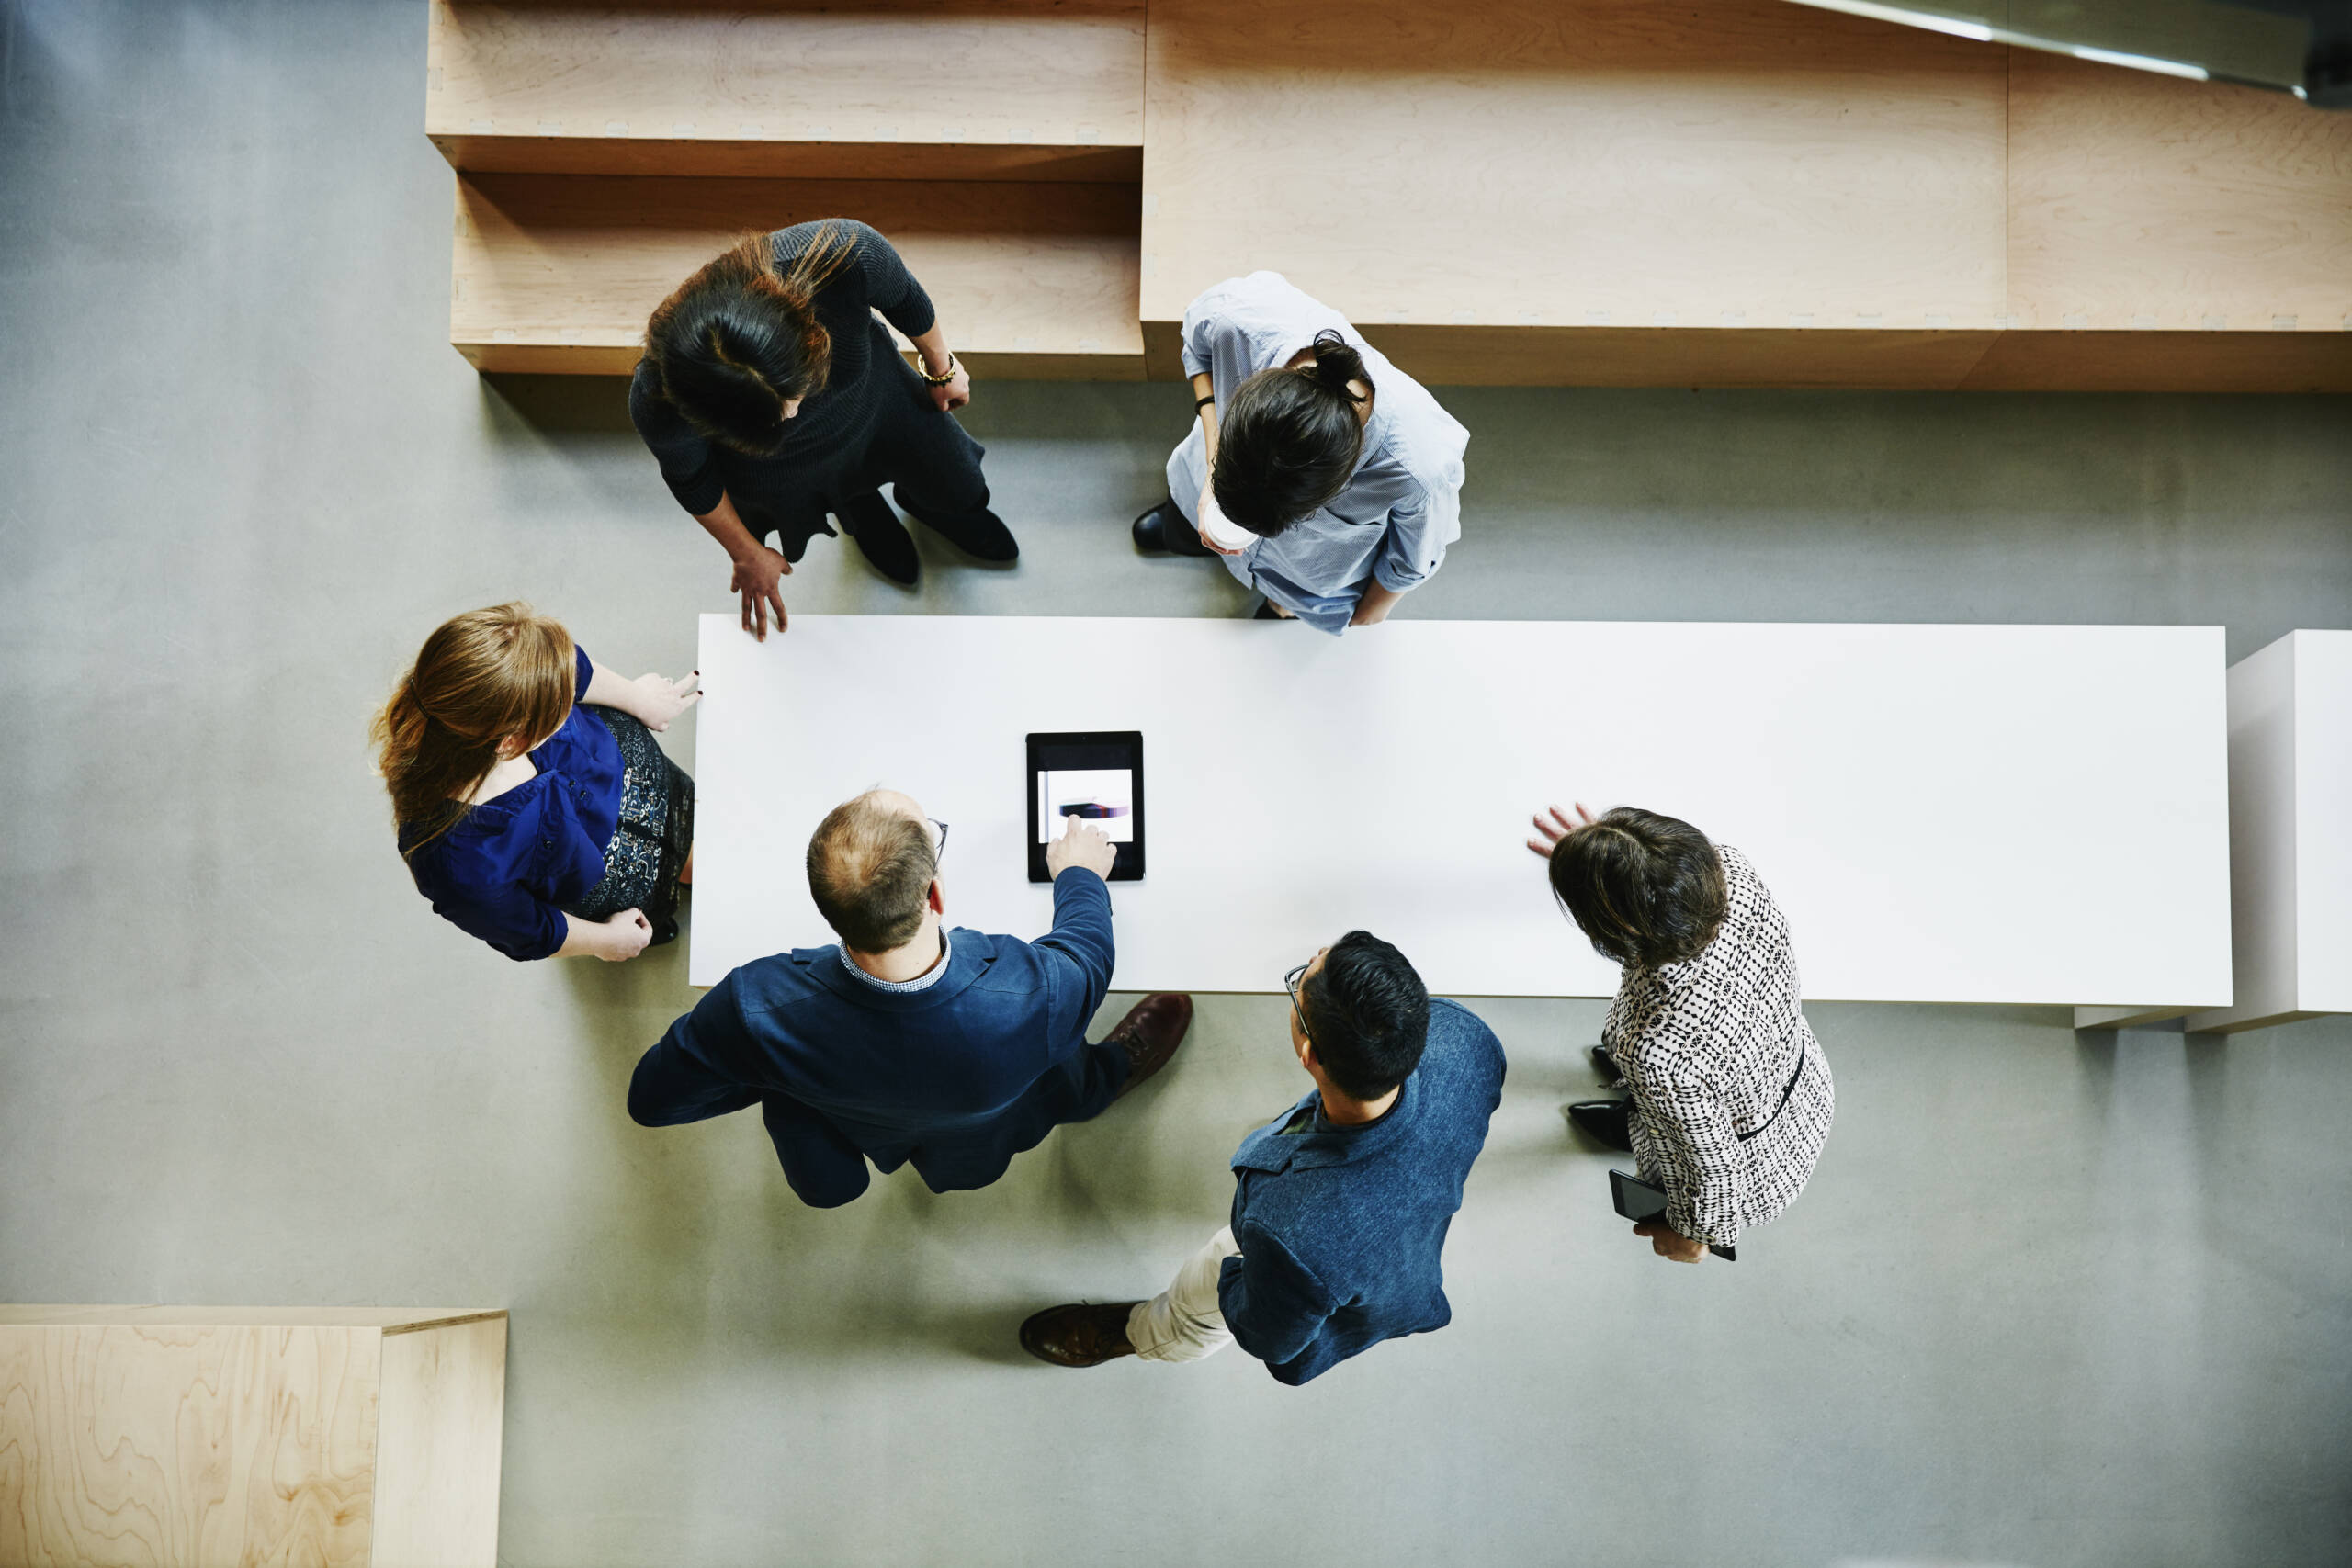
(1343, 475)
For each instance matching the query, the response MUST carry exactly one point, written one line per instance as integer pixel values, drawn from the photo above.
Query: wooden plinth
(204, 1435)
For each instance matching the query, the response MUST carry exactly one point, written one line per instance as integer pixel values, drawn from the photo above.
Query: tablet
(1097, 776)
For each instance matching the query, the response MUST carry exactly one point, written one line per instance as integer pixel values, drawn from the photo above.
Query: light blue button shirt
(1402, 506)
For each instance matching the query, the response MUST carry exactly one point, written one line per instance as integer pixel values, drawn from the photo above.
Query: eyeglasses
(939, 850)
(1292, 982)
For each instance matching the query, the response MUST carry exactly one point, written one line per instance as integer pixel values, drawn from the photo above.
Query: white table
(1944, 812)
(2291, 832)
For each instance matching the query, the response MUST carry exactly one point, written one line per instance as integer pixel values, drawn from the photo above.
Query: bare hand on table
(1550, 834)
(759, 577)
(1671, 1244)
(656, 699)
(1083, 844)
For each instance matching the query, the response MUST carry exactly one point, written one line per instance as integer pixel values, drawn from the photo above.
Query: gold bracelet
(941, 380)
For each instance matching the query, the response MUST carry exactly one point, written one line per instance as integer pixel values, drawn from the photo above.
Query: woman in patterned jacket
(1731, 1098)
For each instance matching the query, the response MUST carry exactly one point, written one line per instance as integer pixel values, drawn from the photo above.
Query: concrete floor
(2051, 1299)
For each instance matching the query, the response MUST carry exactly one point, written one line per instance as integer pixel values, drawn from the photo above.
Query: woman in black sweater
(772, 397)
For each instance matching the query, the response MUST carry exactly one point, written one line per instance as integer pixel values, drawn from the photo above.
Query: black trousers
(930, 460)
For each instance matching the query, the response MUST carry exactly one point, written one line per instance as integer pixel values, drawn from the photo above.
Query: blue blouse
(507, 867)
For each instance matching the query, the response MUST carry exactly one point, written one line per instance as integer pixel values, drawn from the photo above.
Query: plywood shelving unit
(1579, 192)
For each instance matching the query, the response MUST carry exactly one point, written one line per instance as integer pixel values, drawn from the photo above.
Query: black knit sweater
(699, 471)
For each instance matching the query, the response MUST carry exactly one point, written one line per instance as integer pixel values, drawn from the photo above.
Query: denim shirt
(1401, 508)
(1340, 1228)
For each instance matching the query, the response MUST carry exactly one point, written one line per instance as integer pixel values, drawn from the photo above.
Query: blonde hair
(480, 677)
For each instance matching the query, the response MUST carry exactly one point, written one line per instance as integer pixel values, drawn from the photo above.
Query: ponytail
(481, 678)
(741, 338)
(1290, 439)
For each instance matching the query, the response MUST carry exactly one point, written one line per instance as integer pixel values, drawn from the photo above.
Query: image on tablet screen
(1104, 796)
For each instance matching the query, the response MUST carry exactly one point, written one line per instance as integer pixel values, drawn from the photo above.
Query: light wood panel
(201, 1436)
(197, 1445)
(560, 271)
(439, 1446)
(2141, 203)
(927, 89)
(1575, 163)
(393, 1320)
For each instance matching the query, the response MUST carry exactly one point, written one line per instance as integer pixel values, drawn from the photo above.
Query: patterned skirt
(649, 844)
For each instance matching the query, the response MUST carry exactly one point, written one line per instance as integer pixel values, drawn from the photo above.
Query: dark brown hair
(741, 338)
(1644, 889)
(1289, 439)
(480, 677)
(869, 870)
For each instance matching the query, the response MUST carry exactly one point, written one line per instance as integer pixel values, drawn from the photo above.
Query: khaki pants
(1183, 1322)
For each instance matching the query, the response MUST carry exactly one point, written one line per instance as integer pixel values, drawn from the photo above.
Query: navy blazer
(1340, 1228)
(955, 1079)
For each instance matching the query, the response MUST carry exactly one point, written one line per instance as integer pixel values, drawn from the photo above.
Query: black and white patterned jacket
(1707, 1046)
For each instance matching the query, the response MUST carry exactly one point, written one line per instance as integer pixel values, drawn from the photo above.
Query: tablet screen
(1104, 796)
(1097, 777)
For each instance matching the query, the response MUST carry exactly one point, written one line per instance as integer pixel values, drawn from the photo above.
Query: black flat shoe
(1606, 1122)
(1605, 1064)
(981, 535)
(1162, 530)
(869, 520)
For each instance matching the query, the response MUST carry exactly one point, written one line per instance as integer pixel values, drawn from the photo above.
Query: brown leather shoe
(1079, 1333)
(1151, 1032)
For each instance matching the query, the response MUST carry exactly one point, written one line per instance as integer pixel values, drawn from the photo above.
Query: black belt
(1791, 1089)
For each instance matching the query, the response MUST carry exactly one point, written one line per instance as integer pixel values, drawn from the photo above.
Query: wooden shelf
(879, 89)
(558, 272)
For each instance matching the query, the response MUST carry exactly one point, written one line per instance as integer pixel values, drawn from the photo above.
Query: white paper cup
(1221, 530)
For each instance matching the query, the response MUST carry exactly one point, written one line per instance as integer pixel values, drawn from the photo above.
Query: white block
(2291, 832)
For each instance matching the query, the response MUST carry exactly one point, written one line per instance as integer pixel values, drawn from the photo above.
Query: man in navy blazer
(1342, 1204)
(911, 1044)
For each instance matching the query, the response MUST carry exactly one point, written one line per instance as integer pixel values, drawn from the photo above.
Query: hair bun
(1337, 364)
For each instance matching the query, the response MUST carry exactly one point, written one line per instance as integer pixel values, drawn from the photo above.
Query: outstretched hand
(1560, 825)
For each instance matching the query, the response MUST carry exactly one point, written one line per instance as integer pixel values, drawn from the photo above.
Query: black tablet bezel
(1127, 745)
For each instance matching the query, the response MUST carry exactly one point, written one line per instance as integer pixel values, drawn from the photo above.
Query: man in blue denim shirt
(1342, 1204)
